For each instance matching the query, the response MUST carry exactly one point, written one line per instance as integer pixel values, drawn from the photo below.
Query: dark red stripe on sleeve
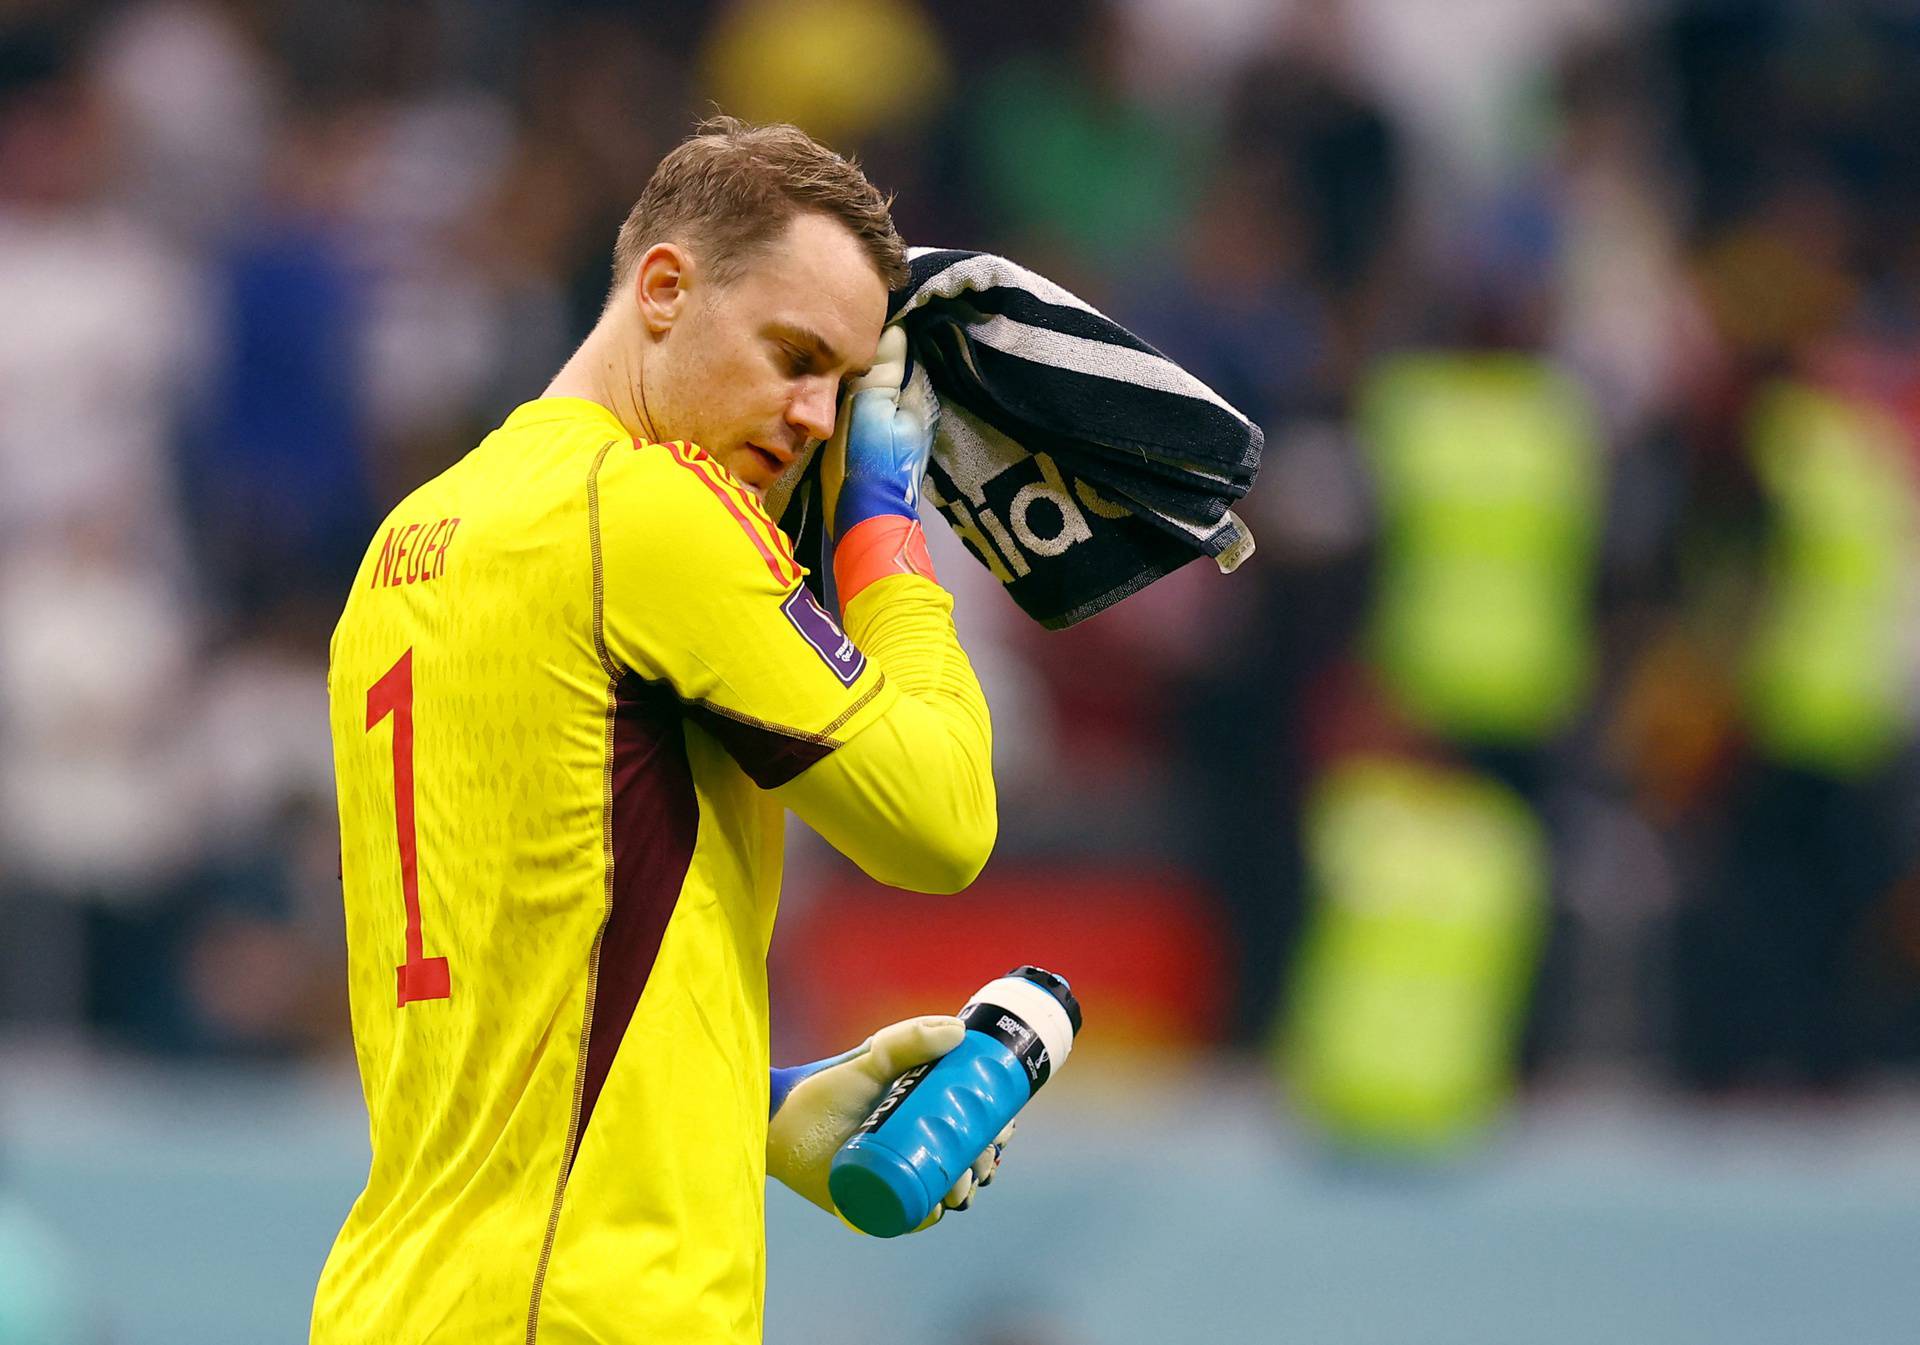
(655, 820)
(770, 758)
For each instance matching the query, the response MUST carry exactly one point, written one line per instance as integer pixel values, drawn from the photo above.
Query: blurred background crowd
(1561, 724)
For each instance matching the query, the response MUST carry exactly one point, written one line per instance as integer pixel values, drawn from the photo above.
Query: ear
(660, 284)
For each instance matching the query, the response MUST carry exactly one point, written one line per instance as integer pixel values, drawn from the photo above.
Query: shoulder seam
(823, 738)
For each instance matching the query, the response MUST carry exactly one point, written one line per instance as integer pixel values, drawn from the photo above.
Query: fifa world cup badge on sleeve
(834, 646)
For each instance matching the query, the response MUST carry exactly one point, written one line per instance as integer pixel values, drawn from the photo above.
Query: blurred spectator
(1074, 164)
(191, 97)
(103, 340)
(278, 484)
(1331, 165)
(1240, 306)
(773, 61)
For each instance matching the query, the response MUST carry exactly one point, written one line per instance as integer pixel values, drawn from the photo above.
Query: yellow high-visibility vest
(1489, 474)
(1828, 677)
(1429, 895)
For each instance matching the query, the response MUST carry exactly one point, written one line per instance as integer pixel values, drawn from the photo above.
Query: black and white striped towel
(1076, 462)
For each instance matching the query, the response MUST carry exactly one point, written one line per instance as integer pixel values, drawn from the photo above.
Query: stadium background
(1606, 857)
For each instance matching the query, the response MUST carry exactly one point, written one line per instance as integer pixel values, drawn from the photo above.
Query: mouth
(774, 462)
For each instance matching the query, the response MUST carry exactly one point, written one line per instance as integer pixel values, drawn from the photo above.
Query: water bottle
(938, 1117)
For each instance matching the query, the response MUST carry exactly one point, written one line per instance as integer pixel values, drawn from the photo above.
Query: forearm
(911, 799)
(904, 623)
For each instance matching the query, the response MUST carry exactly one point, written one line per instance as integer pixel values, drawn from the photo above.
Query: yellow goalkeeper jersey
(576, 681)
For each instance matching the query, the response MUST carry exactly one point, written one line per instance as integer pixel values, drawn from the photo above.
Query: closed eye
(810, 355)
(796, 361)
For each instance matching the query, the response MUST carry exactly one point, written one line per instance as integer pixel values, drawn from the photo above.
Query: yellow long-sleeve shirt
(576, 682)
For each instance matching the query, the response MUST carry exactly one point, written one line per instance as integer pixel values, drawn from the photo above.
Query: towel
(1075, 461)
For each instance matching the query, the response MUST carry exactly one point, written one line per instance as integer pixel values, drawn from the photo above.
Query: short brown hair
(730, 188)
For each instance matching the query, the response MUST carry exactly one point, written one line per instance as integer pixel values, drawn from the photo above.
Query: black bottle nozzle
(1056, 985)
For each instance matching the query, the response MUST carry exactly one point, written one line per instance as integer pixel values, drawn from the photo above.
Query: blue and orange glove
(872, 470)
(816, 1108)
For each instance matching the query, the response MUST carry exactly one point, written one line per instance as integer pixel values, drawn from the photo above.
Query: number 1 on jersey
(421, 977)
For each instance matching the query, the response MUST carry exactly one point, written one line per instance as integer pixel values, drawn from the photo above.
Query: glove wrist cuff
(877, 547)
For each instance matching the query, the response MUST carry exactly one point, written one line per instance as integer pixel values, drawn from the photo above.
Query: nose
(813, 406)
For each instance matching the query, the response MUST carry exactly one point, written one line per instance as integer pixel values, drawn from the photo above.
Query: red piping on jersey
(747, 500)
(694, 461)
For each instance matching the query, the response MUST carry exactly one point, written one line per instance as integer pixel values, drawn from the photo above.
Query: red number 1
(421, 977)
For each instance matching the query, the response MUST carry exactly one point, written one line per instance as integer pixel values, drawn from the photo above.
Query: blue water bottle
(938, 1117)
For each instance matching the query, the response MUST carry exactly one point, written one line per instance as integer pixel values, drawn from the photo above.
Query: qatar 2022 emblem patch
(834, 646)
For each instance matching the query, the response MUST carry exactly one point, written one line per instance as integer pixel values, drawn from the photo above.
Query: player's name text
(414, 553)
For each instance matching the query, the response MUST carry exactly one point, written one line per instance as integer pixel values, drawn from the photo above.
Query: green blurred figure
(1805, 878)
(1489, 475)
(1827, 677)
(1428, 897)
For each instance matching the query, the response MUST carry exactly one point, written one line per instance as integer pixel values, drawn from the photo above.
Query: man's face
(751, 370)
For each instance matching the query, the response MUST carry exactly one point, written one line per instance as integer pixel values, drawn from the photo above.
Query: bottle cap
(1055, 985)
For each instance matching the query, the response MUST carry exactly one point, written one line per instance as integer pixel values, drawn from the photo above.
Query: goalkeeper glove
(817, 1107)
(872, 469)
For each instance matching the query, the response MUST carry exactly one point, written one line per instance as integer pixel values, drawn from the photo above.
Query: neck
(607, 370)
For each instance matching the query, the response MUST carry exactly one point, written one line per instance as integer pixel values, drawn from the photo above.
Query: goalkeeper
(575, 686)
